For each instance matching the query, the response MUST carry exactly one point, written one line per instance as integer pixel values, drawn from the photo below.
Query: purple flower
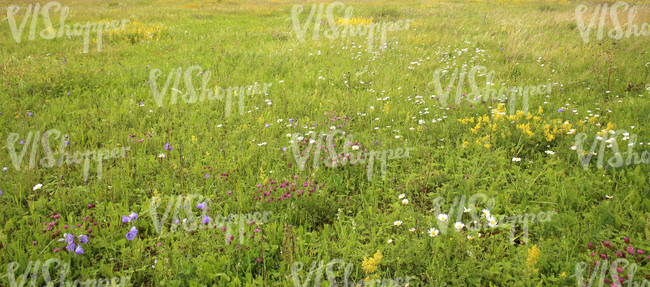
(619, 269)
(133, 216)
(176, 222)
(125, 219)
(619, 254)
(229, 192)
(4, 169)
(590, 246)
(501, 48)
(56, 250)
(30, 114)
(83, 239)
(34, 242)
(593, 254)
(22, 142)
(79, 250)
(67, 143)
(224, 230)
(627, 240)
(201, 205)
(131, 235)
(256, 230)
(639, 251)
(70, 247)
(560, 110)
(207, 175)
(206, 219)
(283, 149)
(603, 256)
(69, 238)
(258, 260)
(167, 147)
(0, 192)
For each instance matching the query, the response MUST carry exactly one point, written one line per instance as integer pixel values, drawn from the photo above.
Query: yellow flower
(370, 265)
(533, 255)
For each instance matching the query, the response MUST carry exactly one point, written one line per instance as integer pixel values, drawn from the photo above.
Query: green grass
(95, 98)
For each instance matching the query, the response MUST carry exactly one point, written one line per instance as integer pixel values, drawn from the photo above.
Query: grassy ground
(104, 100)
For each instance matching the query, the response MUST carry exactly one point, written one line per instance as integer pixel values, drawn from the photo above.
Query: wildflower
(469, 237)
(560, 110)
(433, 232)
(206, 219)
(132, 233)
(402, 196)
(459, 225)
(355, 147)
(125, 219)
(397, 137)
(201, 205)
(207, 175)
(609, 197)
(332, 128)
(4, 169)
(517, 159)
(397, 223)
(492, 222)
(467, 209)
(162, 155)
(533, 255)
(626, 240)
(486, 213)
(412, 229)
(83, 239)
(133, 216)
(390, 241)
(288, 135)
(405, 201)
(421, 121)
(574, 147)
(549, 152)
(442, 217)
(640, 252)
(38, 186)
(34, 242)
(79, 250)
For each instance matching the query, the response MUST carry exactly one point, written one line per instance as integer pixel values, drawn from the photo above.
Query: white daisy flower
(390, 241)
(459, 225)
(574, 147)
(405, 201)
(467, 209)
(486, 213)
(421, 121)
(38, 186)
(469, 237)
(397, 137)
(288, 135)
(492, 222)
(332, 128)
(517, 159)
(412, 229)
(402, 196)
(442, 217)
(433, 232)
(162, 155)
(355, 147)
(549, 152)
(397, 223)
(609, 197)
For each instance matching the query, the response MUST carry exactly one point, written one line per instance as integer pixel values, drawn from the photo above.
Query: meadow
(245, 162)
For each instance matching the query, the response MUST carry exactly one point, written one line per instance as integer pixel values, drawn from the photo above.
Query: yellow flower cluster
(533, 255)
(530, 125)
(354, 21)
(370, 265)
(137, 32)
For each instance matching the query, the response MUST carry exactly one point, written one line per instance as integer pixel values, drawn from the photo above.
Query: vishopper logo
(608, 139)
(489, 221)
(190, 223)
(334, 33)
(159, 95)
(615, 272)
(296, 267)
(474, 97)
(334, 157)
(49, 33)
(49, 160)
(613, 13)
(12, 269)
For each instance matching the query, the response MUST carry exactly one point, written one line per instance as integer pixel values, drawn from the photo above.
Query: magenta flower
(639, 251)
(590, 246)
(56, 216)
(256, 230)
(56, 250)
(593, 254)
(619, 269)
(131, 234)
(619, 254)
(224, 230)
(627, 240)
(34, 242)
(603, 256)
